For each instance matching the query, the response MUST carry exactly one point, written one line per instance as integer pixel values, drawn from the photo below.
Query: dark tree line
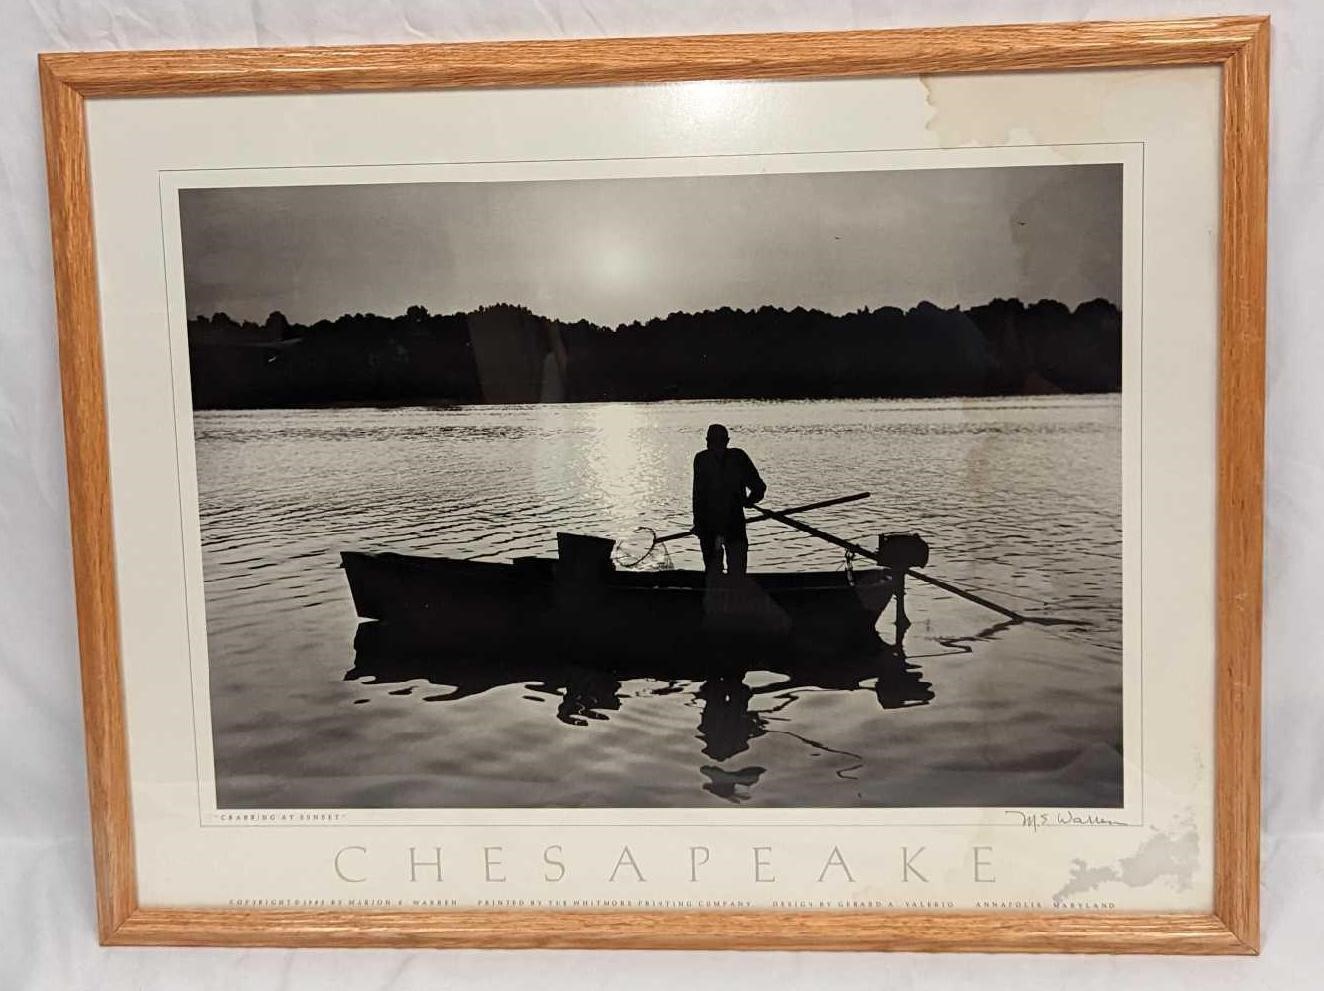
(509, 354)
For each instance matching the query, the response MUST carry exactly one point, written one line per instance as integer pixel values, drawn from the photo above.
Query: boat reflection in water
(591, 688)
(578, 629)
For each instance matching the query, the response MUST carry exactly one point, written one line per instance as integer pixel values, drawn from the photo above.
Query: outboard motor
(902, 550)
(899, 552)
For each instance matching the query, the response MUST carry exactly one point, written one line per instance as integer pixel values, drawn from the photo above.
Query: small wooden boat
(579, 602)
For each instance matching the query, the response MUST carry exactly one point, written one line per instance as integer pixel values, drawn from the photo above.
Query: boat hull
(480, 607)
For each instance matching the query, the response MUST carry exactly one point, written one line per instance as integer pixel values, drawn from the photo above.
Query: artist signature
(1038, 820)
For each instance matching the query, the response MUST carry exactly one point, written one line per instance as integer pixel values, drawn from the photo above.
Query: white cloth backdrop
(47, 938)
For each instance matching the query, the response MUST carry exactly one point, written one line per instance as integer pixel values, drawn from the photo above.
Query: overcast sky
(615, 250)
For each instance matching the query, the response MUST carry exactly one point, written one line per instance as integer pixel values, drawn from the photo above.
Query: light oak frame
(1238, 44)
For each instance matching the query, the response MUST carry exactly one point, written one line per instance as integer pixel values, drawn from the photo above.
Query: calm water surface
(1019, 498)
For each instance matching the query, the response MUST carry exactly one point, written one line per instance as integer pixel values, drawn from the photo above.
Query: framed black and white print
(794, 491)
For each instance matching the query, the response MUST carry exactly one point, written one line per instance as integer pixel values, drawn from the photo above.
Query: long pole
(863, 551)
(978, 600)
(768, 513)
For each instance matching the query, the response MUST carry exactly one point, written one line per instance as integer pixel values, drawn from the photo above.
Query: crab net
(640, 550)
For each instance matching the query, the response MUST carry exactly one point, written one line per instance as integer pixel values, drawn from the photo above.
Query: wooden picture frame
(1239, 45)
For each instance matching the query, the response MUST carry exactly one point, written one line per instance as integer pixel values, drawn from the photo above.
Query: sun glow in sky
(612, 261)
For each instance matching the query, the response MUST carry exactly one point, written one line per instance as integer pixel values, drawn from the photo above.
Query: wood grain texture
(988, 932)
(1243, 251)
(1239, 44)
(640, 60)
(88, 465)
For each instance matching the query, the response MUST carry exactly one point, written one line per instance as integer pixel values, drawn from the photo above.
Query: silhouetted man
(725, 482)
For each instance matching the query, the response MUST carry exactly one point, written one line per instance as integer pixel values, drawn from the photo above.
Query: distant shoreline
(506, 354)
(421, 405)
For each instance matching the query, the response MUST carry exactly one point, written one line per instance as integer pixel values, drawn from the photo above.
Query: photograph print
(797, 490)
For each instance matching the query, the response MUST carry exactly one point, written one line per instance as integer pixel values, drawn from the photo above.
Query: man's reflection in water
(732, 785)
(726, 725)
